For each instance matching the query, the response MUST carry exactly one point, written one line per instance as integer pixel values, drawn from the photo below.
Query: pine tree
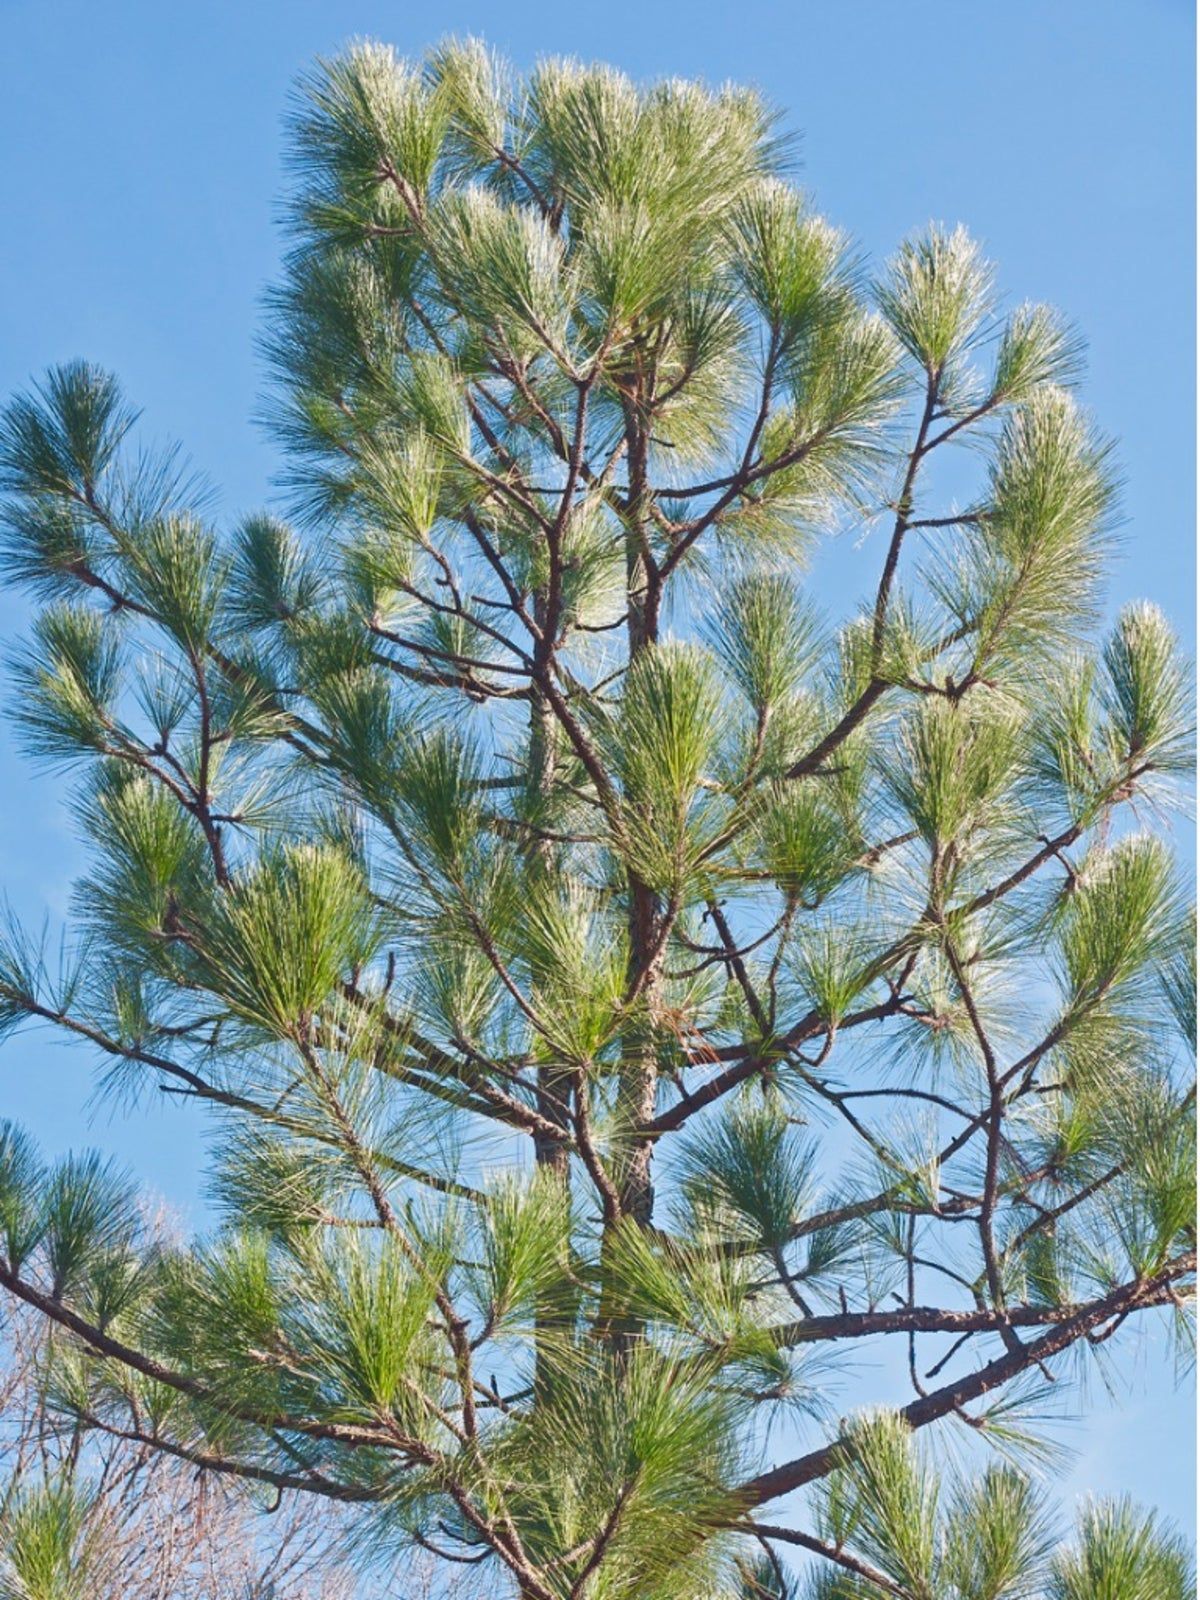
(620, 989)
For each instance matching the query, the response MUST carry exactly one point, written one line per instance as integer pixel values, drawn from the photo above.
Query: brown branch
(835, 1553)
(311, 1482)
(1142, 1293)
(918, 1319)
(104, 1344)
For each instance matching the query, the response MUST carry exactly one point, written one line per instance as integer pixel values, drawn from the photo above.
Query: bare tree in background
(91, 1513)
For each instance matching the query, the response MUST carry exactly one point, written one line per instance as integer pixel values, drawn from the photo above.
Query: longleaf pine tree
(621, 989)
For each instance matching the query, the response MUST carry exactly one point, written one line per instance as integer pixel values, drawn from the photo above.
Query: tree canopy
(621, 989)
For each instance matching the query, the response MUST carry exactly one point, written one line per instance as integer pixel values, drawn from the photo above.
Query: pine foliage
(616, 987)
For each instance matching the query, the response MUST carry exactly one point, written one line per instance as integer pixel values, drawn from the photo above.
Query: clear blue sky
(140, 170)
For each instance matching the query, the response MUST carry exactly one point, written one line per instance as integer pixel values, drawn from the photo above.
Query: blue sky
(140, 170)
